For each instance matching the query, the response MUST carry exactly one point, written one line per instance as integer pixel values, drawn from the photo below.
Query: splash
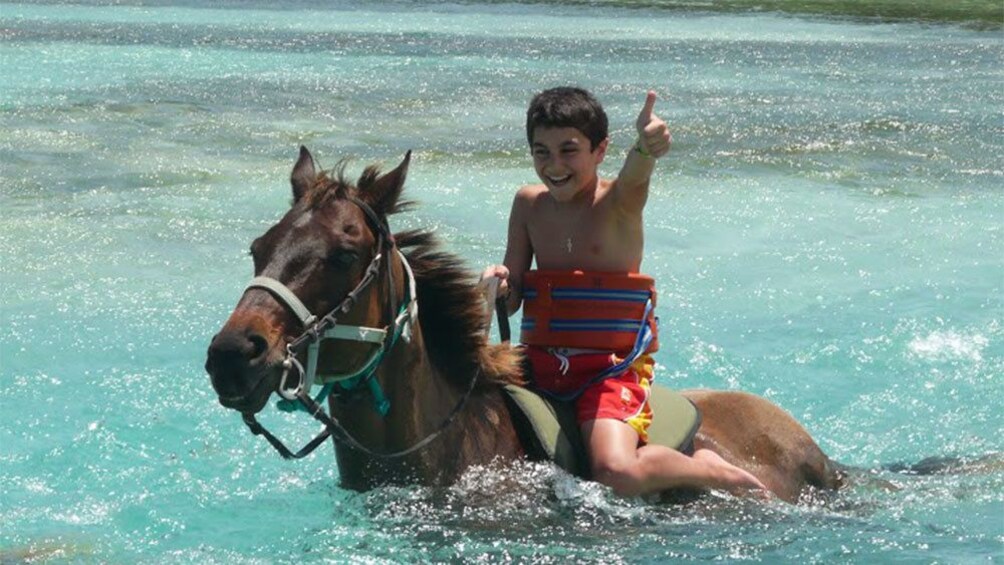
(948, 346)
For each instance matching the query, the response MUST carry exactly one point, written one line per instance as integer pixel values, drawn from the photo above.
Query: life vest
(589, 310)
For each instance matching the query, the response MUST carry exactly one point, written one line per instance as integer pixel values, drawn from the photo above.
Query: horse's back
(759, 436)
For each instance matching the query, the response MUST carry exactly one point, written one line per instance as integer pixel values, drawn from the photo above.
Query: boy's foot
(731, 478)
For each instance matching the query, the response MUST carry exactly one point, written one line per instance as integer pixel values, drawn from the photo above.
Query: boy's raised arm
(653, 142)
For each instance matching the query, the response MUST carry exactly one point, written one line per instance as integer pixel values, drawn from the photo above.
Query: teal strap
(380, 401)
(295, 405)
(405, 317)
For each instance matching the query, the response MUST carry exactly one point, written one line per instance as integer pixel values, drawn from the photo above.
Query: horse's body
(320, 250)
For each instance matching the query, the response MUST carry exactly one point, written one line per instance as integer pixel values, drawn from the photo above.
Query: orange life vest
(590, 310)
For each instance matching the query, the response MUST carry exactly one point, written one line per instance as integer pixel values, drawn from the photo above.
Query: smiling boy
(577, 225)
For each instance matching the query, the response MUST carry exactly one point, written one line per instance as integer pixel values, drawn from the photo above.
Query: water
(826, 233)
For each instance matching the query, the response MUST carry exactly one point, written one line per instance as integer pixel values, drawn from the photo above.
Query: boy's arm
(653, 142)
(518, 253)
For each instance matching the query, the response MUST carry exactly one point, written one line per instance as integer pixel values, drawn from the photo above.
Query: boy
(576, 221)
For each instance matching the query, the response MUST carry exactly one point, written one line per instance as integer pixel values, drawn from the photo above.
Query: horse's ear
(304, 174)
(383, 194)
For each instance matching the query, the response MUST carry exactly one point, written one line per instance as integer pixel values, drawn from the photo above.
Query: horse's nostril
(258, 345)
(231, 351)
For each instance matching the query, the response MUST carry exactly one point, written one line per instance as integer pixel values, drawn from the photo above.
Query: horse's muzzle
(239, 368)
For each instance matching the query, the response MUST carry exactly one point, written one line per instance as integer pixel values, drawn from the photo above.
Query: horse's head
(322, 253)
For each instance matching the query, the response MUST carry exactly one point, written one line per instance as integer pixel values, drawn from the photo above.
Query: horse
(414, 386)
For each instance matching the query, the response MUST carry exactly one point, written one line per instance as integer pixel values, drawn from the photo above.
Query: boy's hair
(567, 106)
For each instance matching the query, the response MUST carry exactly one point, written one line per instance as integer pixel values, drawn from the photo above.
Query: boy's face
(564, 161)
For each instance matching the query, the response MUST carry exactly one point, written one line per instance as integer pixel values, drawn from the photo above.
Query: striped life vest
(589, 310)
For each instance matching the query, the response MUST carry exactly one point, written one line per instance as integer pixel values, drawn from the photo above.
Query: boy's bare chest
(589, 239)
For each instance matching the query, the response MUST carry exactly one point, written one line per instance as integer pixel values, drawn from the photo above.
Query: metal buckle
(289, 363)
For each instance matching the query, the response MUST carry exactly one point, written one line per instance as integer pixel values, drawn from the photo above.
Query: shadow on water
(951, 465)
(45, 552)
(889, 477)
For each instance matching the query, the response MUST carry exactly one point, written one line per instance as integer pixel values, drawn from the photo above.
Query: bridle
(296, 396)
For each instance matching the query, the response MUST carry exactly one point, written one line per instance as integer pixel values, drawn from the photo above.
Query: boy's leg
(614, 415)
(619, 463)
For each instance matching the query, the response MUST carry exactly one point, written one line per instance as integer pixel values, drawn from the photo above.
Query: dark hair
(567, 106)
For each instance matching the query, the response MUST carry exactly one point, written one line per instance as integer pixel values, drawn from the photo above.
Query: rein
(297, 397)
(332, 428)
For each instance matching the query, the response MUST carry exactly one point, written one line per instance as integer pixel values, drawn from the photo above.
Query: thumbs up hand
(654, 138)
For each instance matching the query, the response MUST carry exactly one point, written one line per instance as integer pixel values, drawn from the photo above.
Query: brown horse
(416, 387)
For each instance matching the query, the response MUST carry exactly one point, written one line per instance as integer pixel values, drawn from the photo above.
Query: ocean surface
(826, 232)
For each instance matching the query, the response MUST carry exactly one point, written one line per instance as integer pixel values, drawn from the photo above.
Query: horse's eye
(253, 251)
(343, 258)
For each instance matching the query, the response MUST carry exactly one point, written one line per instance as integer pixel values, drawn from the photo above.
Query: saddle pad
(556, 435)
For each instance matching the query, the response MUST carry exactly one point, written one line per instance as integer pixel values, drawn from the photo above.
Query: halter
(297, 397)
(329, 328)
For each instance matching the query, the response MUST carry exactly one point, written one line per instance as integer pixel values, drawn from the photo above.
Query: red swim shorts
(622, 397)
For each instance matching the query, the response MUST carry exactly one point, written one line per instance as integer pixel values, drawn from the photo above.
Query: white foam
(949, 345)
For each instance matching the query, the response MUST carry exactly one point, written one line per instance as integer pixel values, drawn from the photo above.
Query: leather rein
(316, 329)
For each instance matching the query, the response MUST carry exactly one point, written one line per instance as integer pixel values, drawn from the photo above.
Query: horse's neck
(415, 388)
(424, 397)
(420, 395)
(421, 403)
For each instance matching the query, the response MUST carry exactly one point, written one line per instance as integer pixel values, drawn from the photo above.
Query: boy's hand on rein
(499, 272)
(654, 138)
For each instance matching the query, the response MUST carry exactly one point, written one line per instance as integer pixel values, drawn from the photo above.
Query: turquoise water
(826, 232)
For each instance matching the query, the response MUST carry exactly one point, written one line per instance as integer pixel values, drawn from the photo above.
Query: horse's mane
(451, 312)
(450, 307)
(330, 184)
